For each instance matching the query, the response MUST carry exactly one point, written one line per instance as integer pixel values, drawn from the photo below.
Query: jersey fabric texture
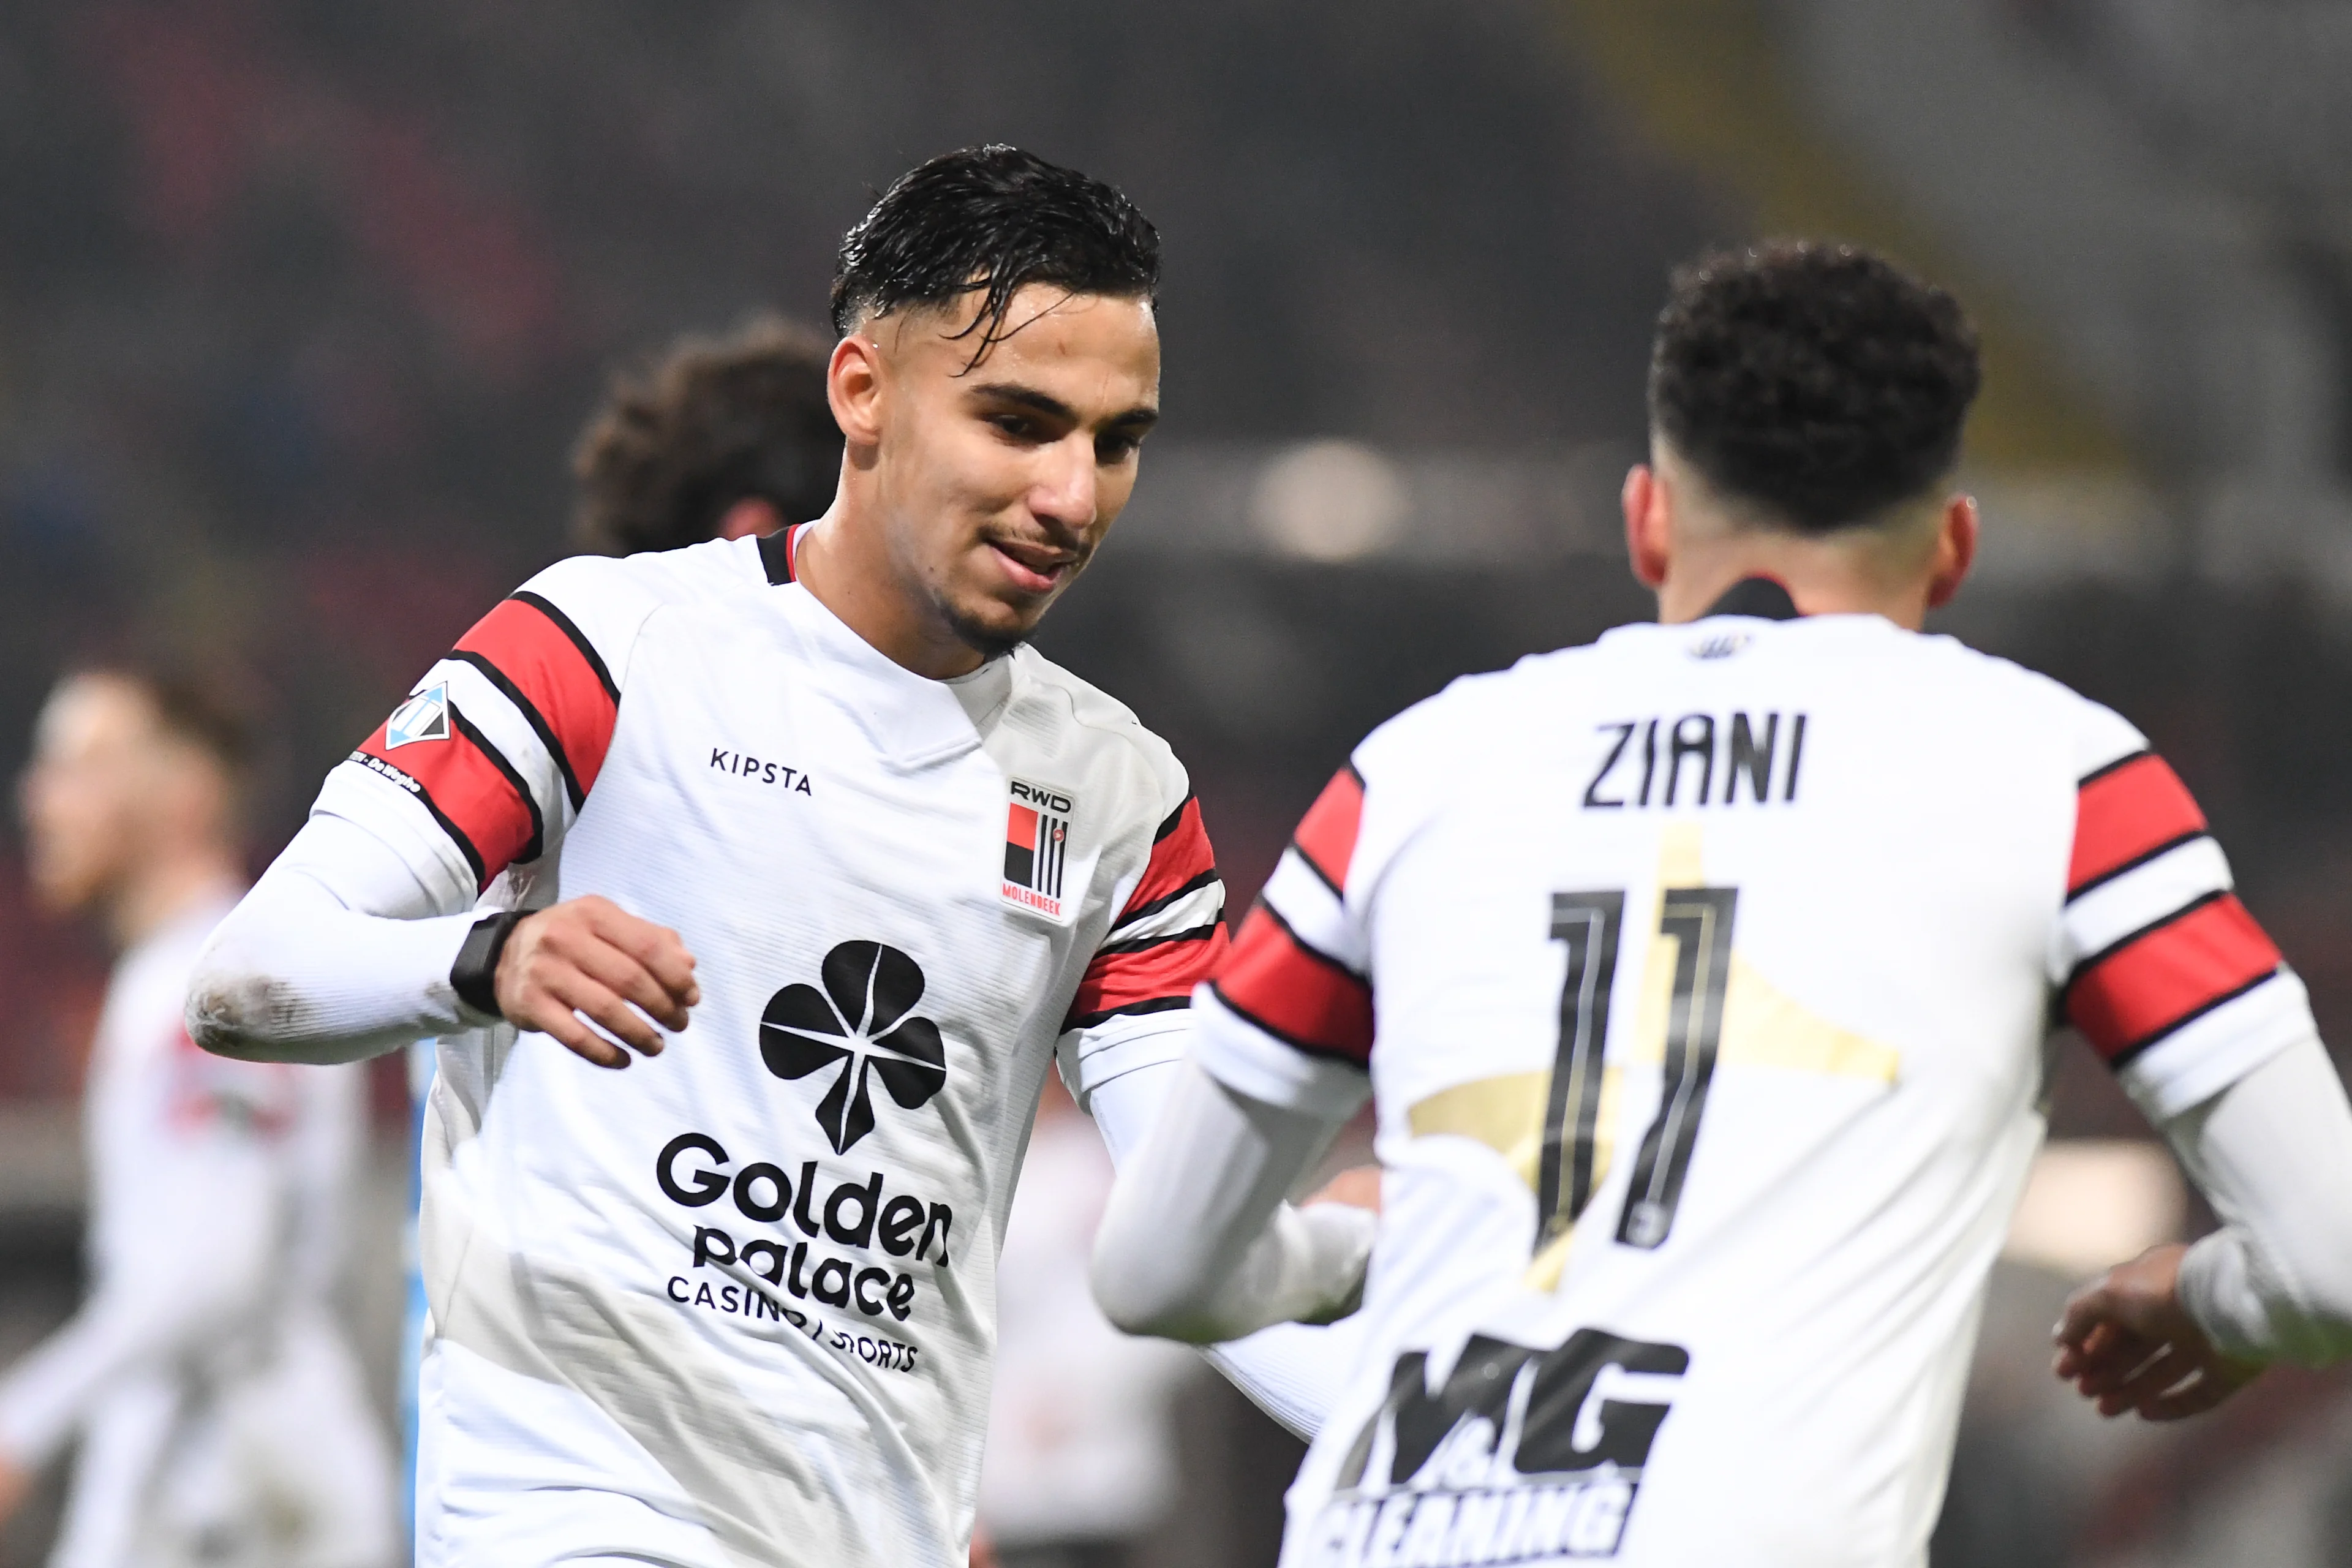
(737, 1303)
(1703, 978)
(221, 1415)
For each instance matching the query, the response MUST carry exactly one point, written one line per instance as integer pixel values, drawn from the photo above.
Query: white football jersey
(1703, 976)
(737, 1303)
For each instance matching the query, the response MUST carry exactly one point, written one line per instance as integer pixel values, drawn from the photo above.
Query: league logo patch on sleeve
(1036, 848)
(423, 717)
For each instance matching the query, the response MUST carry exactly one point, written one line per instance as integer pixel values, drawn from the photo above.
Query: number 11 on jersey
(1699, 921)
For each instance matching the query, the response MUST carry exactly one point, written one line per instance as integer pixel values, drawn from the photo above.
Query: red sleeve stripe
(532, 715)
(541, 659)
(1147, 977)
(1300, 996)
(2137, 991)
(1180, 856)
(2125, 814)
(472, 792)
(533, 846)
(1326, 838)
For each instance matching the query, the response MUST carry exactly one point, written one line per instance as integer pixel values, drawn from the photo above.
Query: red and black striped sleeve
(506, 736)
(1169, 934)
(2158, 937)
(1298, 968)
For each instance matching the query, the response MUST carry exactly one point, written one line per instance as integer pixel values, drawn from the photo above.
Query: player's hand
(589, 956)
(2127, 1343)
(1358, 1184)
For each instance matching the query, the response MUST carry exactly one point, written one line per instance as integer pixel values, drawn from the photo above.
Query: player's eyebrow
(1140, 417)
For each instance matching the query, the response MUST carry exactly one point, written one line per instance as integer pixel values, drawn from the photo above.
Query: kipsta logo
(860, 1022)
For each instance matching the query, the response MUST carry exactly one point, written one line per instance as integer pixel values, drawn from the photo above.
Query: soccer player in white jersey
(1701, 979)
(800, 832)
(220, 1411)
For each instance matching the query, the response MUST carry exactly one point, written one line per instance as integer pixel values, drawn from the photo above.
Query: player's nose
(1065, 492)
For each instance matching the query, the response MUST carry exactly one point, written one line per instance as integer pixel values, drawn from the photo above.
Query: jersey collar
(1759, 597)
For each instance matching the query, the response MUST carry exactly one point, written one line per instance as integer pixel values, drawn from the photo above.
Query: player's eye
(1018, 427)
(1116, 448)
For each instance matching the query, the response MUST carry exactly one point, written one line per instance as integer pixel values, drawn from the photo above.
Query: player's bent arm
(2273, 1155)
(342, 951)
(1197, 1242)
(1292, 1371)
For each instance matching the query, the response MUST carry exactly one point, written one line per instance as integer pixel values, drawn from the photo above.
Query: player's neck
(849, 570)
(1820, 580)
(167, 887)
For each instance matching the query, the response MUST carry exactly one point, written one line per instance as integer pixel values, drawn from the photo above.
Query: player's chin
(993, 624)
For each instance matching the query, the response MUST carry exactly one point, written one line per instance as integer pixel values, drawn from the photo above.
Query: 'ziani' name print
(1698, 759)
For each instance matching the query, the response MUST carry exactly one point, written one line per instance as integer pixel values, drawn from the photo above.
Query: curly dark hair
(1819, 382)
(991, 218)
(710, 423)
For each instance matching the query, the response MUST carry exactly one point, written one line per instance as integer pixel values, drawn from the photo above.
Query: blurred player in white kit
(221, 1413)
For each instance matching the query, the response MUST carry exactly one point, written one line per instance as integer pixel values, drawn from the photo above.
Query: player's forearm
(2273, 1154)
(1197, 1242)
(340, 952)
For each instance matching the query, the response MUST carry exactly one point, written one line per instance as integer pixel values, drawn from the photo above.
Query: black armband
(474, 976)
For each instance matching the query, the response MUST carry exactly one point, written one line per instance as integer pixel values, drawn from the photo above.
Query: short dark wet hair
(1820, 383)
(993, 219)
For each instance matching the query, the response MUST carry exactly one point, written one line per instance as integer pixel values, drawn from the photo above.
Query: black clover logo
(860, 1021)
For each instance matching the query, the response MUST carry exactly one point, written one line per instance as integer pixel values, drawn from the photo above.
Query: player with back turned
(1712, 966)
(798, 830)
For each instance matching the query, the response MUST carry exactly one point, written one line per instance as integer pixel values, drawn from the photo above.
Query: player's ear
(1956, 550)
(1646, 525)
(853, 386)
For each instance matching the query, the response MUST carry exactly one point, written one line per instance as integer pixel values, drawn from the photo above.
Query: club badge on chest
(1042, 874)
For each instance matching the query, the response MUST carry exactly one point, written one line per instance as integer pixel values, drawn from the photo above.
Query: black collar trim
(1758, 596)
(776, 554)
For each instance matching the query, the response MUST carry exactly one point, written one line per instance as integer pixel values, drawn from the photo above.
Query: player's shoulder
(597, 583)
(2092, 734)
(602, 602)
(1102, 731)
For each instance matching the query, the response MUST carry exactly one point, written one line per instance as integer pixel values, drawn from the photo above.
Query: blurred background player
(720, 438)
(221, 1413)
(1703, 1117)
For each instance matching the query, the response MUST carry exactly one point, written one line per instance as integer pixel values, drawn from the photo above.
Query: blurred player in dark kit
(800, 831)
(1713, 965)
(220, 1411)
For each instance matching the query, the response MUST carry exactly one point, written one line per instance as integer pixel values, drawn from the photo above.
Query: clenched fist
(589, 957)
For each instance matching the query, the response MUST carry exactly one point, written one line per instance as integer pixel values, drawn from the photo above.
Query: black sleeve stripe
(1143, 911)
(2095, 774)
(1309, 1048)
(538, 844)
(2166, 1033)
(587, 649)
(423, 797)
(2125, 940)
(1145, 943)
(537, 720)
(776, 556)
(2136, 861)
(1173, 818)
(1309, 948)
(1156, 1005)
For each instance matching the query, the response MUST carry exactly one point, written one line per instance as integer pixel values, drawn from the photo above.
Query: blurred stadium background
(301, 304)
